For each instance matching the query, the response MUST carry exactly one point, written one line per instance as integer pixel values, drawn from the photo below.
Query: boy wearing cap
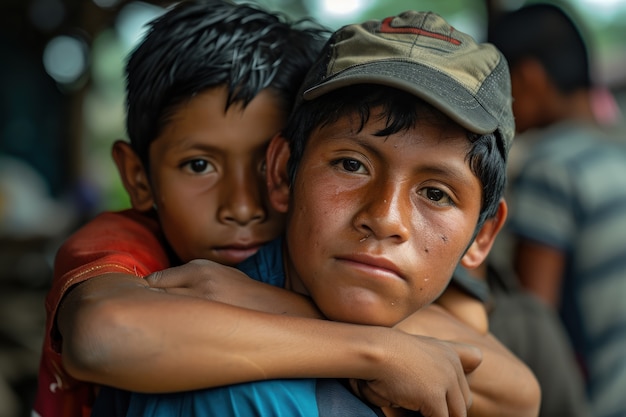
(392, 167)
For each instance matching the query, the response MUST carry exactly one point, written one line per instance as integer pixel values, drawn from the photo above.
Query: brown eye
(199, 166)
(351, 165)
(436, 196)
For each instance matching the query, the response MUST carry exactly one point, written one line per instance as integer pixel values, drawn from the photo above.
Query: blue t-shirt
(272, 398)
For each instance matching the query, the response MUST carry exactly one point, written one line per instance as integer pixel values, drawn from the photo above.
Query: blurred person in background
(533, 332)
(568, 201)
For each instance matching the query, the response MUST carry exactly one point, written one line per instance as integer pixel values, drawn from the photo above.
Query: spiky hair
(200, 44)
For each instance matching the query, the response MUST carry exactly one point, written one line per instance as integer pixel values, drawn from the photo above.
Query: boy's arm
(216, 282)
(117, 331)
(502, 385)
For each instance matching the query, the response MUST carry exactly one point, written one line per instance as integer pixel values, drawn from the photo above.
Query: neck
(292, 281)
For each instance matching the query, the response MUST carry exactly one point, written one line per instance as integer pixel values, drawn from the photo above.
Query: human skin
(127, 317)
(209, 167)
(205, 179)
(358, 241)
(376, 226)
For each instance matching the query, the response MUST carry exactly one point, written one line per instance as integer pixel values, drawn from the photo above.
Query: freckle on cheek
(426, 250)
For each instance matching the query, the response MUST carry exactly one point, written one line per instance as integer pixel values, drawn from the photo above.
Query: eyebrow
(450, 171)
(187, 143)
(443, 167)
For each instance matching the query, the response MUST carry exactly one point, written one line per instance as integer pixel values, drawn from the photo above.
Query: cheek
(185, 221)
(188, 201)
(307, 230)
(441, 248)
(318, 207)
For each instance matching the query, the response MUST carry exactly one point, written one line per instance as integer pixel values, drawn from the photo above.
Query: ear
(480, 247)
(277, 178)
(133, 176)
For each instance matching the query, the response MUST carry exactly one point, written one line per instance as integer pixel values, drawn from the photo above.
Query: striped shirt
(571, 195)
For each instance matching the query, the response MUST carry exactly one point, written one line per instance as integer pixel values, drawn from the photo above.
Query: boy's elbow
(533, 396)
(528, 396)
(515, 393)
(93, 341)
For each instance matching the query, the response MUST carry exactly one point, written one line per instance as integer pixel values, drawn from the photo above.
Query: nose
(241, 197)
(386, 212)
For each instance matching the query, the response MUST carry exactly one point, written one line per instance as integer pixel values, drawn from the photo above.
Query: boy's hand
(517, 392)
(203, 279)
(216, 282)
(438, 370)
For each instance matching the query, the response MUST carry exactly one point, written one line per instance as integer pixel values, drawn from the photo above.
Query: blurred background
(62, 106)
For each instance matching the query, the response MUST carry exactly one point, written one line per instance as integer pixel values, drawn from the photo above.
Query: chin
(356, 315)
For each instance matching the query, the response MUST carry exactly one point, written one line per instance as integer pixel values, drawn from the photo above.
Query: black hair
(544, 32)
(402, 111)
(202, 44)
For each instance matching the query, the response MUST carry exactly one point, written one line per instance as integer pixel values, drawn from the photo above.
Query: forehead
(205, 119)
(364, 104)
(426, 127)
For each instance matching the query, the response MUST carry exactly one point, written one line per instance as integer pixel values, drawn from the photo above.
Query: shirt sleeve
(127, 242)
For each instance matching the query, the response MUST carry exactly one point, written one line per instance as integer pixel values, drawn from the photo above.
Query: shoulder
(126, 241)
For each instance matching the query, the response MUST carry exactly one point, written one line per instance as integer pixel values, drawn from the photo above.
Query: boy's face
(377, 224)
(208, 177)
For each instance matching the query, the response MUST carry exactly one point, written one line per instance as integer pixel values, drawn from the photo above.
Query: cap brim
(434, 87)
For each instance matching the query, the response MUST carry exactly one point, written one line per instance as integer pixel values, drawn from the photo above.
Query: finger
(364, 391)
(436, 406)
(459, 401)
(154, 279)
(168, 278)
(470, 356)
(354, 386)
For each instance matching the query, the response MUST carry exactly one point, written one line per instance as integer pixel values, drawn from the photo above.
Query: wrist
(375, 349)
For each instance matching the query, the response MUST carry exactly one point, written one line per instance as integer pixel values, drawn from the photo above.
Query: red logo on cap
(386, 27)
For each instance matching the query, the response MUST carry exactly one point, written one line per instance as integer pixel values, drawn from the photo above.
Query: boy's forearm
(119, 332)
(115, 332)
(502, 385)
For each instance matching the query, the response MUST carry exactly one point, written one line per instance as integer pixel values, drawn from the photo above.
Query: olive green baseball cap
(420, 53)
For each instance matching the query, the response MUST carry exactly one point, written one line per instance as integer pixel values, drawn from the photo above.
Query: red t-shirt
(128, 242)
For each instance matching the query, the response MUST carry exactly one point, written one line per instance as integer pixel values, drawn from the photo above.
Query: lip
(236, 253)
(372, 265)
